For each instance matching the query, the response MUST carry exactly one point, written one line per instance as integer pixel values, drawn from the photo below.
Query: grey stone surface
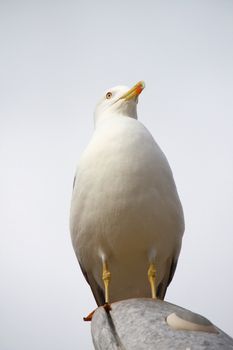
(138, 324)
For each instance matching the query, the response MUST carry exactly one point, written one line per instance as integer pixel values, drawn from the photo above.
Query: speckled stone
(141, 324)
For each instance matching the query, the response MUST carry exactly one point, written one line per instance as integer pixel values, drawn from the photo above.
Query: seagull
(126, 218)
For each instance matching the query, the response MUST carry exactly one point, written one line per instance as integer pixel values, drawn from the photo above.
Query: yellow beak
(135, 91)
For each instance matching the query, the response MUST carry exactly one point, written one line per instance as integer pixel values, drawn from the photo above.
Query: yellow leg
(106, 279)
(151, 277)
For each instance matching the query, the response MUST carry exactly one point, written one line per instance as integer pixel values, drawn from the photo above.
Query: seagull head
(118, 101)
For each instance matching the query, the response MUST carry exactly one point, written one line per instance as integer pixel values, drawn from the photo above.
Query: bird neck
(100, 119)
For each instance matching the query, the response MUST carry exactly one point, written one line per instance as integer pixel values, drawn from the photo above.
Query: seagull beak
(135, 91)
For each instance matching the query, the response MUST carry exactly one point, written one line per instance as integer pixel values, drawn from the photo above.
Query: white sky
(57, 57)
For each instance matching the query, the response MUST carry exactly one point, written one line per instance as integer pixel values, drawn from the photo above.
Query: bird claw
(89, 317)
(107, 307)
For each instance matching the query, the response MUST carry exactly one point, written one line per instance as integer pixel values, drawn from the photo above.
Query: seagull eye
(108, 95)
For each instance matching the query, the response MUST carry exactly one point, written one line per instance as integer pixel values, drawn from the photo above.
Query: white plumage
(125, 208)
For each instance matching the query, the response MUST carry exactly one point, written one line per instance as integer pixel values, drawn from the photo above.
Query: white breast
(125, 206)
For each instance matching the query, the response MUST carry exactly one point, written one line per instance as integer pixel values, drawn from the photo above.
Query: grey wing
(97, 291)
(162, 287)
(74, 181)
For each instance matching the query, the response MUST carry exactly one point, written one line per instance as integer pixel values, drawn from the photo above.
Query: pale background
(57, 57)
